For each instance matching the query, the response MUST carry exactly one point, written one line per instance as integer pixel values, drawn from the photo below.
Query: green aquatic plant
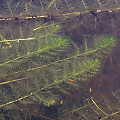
(37, 69)
(105, 43)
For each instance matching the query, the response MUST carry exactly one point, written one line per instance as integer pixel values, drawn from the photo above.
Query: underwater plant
(38, 69)
(41, 69)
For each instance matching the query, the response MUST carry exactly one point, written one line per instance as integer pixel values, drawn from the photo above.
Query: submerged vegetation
(38, 69)
(55, 60)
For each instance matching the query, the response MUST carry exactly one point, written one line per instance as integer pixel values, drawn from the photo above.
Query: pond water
(58, 59)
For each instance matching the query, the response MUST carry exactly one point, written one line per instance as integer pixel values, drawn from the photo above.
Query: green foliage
(105, 43)
(38, 69)
(88, 68)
